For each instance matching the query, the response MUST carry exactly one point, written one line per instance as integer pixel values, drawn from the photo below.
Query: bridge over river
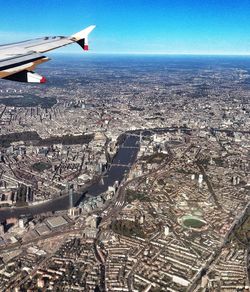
(123, 160)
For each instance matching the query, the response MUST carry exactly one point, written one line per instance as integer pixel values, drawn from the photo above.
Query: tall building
(71, 203)
(200, 180)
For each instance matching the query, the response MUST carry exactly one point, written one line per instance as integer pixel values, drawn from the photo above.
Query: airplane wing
(18, 60)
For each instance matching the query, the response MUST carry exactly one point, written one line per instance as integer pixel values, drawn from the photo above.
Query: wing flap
(19, 60)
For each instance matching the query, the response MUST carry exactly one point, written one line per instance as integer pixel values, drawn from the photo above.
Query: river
(126, 156)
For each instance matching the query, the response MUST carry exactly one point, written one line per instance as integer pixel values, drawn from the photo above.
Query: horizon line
(156, 54)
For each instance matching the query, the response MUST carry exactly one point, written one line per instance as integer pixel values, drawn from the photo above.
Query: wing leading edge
(17, 61)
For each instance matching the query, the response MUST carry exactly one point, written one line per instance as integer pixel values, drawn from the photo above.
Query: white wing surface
(18, 60)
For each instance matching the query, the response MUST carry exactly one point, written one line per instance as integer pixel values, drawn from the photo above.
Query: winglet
(81, 37)
(83, 33)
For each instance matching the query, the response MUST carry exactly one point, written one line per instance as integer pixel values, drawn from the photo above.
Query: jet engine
(26, 76)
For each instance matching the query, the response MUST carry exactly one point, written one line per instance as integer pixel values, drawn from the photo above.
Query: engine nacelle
(26, 76)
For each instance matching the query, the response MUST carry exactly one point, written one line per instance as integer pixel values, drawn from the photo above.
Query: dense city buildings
(127, 173)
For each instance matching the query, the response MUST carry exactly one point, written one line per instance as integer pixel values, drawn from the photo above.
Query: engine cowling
(26, 76)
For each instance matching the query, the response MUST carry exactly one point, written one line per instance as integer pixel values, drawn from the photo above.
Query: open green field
(193, 222)
(41, 166)
(127, 228)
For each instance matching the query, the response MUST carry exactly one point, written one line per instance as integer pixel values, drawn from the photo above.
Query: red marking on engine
(43, 80)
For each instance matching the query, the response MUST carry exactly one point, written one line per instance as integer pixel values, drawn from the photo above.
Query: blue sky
(175, 27)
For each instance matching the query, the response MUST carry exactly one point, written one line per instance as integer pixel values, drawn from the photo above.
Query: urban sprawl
(127, 174)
